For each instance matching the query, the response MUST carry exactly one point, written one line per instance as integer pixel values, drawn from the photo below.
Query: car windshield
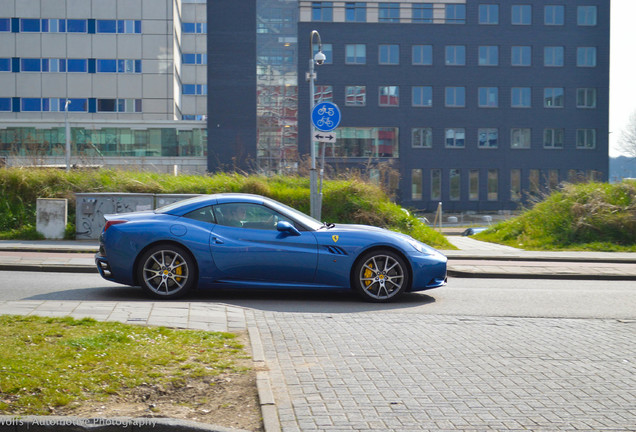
(300, 217)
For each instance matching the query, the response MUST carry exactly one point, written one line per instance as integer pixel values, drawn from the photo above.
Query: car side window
(203, 214)
(244, 215)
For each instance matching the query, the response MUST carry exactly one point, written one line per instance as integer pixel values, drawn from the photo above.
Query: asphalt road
(467, 297)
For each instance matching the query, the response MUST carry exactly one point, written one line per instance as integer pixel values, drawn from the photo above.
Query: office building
(478, 104)
(132, 71)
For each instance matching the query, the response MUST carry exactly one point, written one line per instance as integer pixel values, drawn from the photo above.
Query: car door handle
(217, 240)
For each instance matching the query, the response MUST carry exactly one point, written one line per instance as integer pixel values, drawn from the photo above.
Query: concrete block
(52, 216)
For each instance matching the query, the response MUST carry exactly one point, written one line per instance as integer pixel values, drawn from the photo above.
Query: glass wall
(159, 142)
(276, 84)
(354, 142)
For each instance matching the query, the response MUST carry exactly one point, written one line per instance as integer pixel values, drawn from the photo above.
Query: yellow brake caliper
(178, 271)
(367, 274)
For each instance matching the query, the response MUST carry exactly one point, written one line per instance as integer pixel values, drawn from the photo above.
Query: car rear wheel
(381, 276)
(166, 272)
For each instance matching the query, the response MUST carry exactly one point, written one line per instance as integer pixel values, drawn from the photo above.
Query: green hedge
(344, 201)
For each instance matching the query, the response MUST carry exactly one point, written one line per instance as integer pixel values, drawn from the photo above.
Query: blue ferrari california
(240, 240)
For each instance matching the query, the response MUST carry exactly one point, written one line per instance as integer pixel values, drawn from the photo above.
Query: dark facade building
(478, 103)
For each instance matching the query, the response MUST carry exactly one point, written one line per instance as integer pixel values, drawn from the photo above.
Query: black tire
(381, 276)
(166, 271)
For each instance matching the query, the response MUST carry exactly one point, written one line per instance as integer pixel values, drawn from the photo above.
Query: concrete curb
(558, 276)
(269, 411)
(53, 268)
(99, 424)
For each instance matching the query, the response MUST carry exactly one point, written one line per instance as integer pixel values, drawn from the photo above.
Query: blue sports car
(241, 240)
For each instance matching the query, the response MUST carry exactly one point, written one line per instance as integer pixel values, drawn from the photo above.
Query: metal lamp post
(68, 136)
(315, 200)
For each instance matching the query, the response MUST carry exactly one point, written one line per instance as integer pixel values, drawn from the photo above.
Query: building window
(118, 66)
(5, 104)
(389, 54)
(54, 25)
(455, 97)
(416, 184)
(422, 13)
(586, 98)
(355, 12)
(488, 55)
(586, 138)
(5, 25)
(487, 138)
(553, 138)
(493, 185)
(553, 97)
(586, 15)
(533, 179)
(364, 142)
(194, 89)
(521, 97)
(521, 15)
(422, 96)
(455, 14)
(455, 55)
(196, 28)
(553, 179)
(118, 26)
(520, 138)
(521, 56)
(389, 12)
(554, 15)
(77, 65)
(196, 59)
(76, 26)
(322, 11)
(323, 93)
(473, 185)
(5, 65)
(515, 185)
(488, 14)
(31, 104)
(30, 25)
(53, 65)
(355, 95)
(355, 54)
(553, 56)
(389, 96)
(488, 97)
(454, 184)
(422, 55)
(119, 105)
(455, 137)
(422, 137)
(436, 184)
(30, 65)
(586, 56)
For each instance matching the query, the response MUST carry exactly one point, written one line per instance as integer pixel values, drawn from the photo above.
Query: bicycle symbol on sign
(325, 121)
(330, 112)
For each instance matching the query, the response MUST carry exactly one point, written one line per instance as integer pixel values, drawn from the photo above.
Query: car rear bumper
(103, 267)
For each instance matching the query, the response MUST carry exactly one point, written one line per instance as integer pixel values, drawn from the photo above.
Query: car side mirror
(286, 227)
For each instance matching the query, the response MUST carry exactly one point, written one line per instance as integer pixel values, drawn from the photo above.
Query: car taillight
(113, 222)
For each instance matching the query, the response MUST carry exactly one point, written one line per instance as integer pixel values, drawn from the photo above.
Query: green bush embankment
(344, 201)
(590, 216)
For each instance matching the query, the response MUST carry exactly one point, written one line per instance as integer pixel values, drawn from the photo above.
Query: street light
(68, 135)
(315, 199)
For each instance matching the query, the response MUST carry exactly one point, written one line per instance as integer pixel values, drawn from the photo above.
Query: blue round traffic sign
(325, 116)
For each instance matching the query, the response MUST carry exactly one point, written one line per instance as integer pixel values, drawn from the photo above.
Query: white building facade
(131, 74)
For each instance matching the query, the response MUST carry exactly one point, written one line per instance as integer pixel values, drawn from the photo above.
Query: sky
(622, 68)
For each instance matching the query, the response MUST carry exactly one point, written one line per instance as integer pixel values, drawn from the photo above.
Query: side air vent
(335, 250)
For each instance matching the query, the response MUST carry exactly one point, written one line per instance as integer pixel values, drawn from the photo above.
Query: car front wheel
(381, 276)
(166, 272)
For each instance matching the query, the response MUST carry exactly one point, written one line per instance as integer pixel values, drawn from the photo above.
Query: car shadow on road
(265, 300)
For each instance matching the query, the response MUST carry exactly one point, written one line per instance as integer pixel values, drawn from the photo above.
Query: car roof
(180, 208)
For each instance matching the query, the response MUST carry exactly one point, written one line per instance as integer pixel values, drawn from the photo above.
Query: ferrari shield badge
(335, 238)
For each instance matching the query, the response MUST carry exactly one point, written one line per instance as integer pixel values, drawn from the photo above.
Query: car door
(252, 249)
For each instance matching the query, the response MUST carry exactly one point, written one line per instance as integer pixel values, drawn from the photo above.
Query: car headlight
(421, 248)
